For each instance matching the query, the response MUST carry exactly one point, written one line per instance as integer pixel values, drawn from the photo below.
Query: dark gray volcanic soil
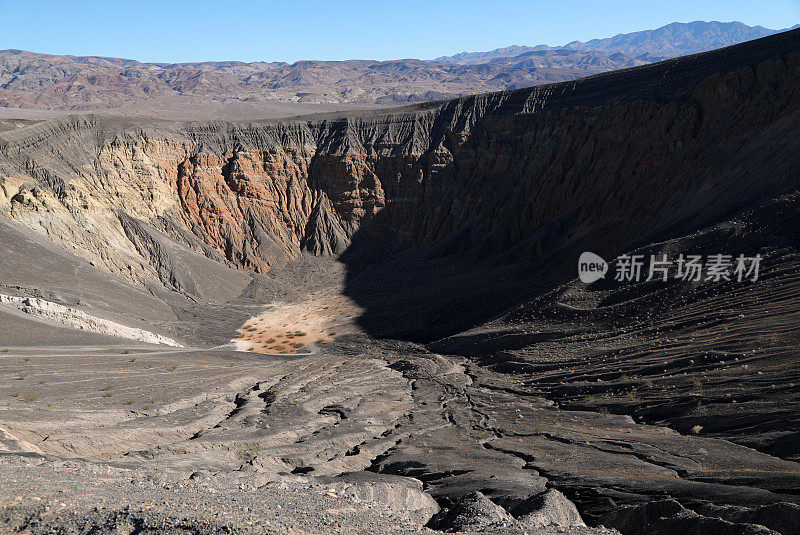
(478, 364)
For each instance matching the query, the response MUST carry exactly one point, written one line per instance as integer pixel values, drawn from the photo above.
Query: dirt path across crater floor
(292, 327)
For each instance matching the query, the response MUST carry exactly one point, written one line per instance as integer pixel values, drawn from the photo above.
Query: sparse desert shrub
(108, 395)
(30, 398)
(125, 352)
(297, 344)
(696, 429)
(107, 388)
(247, 451)
(132, 360)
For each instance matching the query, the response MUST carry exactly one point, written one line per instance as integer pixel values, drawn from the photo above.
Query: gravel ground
(41, 495)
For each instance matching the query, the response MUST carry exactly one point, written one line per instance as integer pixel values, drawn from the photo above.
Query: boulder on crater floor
(402, 495)
(473, 512)
(548, 508)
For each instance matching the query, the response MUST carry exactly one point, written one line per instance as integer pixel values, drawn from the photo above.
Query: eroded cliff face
(604, 162)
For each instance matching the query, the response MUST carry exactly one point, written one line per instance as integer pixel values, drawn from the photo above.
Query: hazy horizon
(183, 32)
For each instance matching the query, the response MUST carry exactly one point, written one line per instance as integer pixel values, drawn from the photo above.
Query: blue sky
(173, 31)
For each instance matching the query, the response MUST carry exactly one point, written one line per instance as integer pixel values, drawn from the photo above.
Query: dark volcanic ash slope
(459, 224)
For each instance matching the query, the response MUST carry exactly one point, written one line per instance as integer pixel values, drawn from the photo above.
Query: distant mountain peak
(672, 40)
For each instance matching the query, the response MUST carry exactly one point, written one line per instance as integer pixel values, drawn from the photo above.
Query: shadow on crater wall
(499, 210)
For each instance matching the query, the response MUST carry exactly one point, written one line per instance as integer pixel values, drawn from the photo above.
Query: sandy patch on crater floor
(294, 327)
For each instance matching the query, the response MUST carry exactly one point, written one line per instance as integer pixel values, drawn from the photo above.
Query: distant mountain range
(672, 40)
(235, 89)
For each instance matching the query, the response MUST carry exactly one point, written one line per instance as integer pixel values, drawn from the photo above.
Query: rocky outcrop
(549, 508)
(781, 517)
(473, 512)
(402, 495)
(668, 517)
